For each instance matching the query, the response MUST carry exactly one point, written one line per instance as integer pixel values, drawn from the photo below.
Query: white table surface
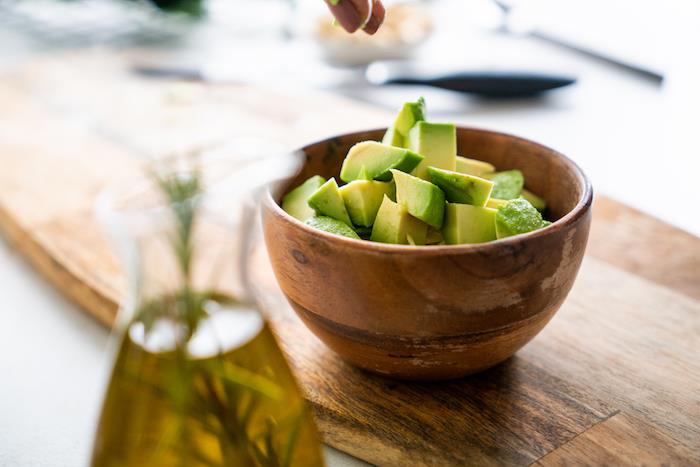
(52, 356)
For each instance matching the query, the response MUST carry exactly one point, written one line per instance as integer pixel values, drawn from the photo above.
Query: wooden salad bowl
(433, 312)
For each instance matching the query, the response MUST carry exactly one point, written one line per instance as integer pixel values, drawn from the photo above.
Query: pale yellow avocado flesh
(395, 225)
(437, 143)
(496, 203)
(363, 198)
(465, 223)
(469, 166)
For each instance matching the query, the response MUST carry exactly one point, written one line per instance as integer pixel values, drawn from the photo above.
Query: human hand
(352, 15)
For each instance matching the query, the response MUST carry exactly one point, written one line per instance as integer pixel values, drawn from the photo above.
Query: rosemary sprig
(219, 396)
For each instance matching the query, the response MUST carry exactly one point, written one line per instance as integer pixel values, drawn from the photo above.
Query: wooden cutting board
(613, 379)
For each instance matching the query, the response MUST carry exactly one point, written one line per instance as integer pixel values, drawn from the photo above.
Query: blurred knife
(495, 83)
(484, 83)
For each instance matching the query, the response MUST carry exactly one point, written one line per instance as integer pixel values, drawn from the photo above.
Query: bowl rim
(582, 207)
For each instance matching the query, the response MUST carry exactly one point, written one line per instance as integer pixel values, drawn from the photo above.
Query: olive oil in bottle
(205, 405)
(198, 379)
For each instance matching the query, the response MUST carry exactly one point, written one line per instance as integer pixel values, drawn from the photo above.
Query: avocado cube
(362, 199)
(393, 138)
(465, 223)
(395, 225)
(437, 143)
(539, 203)
(326, 201)
(295, 203)
(334, 226)
(507, 184)
(472, 166)
(372, 160)
(410, 113)
(496, 203)
(517, 217)
(422, 199)
(461, 188)
(434, 237)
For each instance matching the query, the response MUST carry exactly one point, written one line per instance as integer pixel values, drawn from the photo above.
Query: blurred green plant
(191, 8)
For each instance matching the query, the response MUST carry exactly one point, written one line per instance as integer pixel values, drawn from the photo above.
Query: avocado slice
(507, 184)
(437, 143)
(461, 188)
(410, 113)
(295, 203)
(422, 199)
(362, 199)
(496, 203)
(334, 226)
(326, 201)
(465, 223)
(434, 236)
(395, 225)
(373, 160)
(517, 217)
(393, 138)
(469, 166)
(539, 203)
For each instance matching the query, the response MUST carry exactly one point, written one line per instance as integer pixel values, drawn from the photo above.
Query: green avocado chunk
(472, 166)
(465, 223)
(334, 226)
(539, 203)
(362, 199)
(372, 160)
(518, 217)
(422, 199)
(496, 203)
(326, 201)
(507, 184)
(295, 203)
(437, 143)
(410, 113)
(434, 236)
(395, 225)
(461, 188)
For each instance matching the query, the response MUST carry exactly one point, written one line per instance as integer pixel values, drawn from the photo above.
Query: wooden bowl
(433, 312)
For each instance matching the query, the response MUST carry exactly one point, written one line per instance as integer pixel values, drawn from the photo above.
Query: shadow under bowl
(433, 312)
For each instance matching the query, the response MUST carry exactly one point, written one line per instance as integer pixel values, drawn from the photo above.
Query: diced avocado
(362, 199)
(539, 203)
(461, 188)
(437, 143)
(507, 184)
(393, 138)
(465, 223)
(422, 199)
(395, 225)
(334, 226)
(517, 217)
(372, 160)
(326, 201)
(472, 166)
(434, 237)
(496, 203)
(410, 113)
(295, 203)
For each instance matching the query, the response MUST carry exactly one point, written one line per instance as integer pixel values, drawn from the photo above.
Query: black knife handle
(490, 83)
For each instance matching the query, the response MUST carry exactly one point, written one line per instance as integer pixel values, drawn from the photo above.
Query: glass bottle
(198, 379)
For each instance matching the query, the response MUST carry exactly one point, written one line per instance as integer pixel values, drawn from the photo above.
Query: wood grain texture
(620, 440)
(614, 379)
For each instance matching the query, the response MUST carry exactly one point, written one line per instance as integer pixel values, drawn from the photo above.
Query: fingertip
(377, 18)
